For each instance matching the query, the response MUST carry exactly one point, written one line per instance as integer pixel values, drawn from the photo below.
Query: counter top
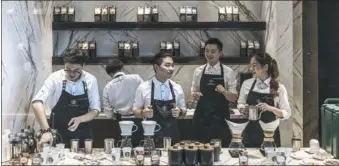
(255, 158)
(189, 115)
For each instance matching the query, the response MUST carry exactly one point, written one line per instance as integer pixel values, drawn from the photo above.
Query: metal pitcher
(253, 113)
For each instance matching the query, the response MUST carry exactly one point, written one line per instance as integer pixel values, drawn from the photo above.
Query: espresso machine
(149, 130)
(236, 127)
(269, 130)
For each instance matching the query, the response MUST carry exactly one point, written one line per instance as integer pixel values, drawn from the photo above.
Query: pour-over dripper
(149, 127)
(236, 146)
(126, 128)
(269, 130)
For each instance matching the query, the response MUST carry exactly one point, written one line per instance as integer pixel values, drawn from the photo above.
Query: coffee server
(228, 14)
(105, 14)
(188, 14)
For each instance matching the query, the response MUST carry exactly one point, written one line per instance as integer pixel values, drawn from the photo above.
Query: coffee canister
(216, 151)
(206, 155)
(175, 155)
(191, 155)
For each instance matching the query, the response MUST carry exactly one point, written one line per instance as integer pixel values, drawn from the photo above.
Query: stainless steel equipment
(75, 145)
(88, 146)
(109, 144)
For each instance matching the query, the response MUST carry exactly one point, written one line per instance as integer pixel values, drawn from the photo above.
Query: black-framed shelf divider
(191, 60)
(250, 26)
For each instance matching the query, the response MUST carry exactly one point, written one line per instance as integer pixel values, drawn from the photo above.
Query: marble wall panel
(26, 57)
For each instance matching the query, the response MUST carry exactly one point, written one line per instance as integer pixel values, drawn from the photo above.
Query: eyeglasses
(76, 71)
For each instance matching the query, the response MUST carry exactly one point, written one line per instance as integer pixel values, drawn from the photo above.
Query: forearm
(138, 113)
(89, 116)
(182, 113)
(230, 96)
(277, 112)
(40, 115)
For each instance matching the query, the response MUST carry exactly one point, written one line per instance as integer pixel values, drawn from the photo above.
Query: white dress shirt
(229, 77)
(118, 94)
(280, 101)
(51, 90)
(161, 92)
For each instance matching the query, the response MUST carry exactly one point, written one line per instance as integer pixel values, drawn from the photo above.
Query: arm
(196, 81)
(284, 111)
(231, 92)
(94, 102)
(108, 109)
(181, 103)
(138, 105)
(242, 97)
(37, 103)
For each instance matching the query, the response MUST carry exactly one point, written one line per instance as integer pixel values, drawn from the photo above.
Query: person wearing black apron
(73, 95)
(68, 107)
(213, 86)
(211, 111)
(118, 96)
(162, 100)
(268, 95)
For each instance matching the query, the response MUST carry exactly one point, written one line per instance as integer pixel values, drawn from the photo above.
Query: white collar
(158, 83)
(216, 66)
(267, 81)
(118, 73)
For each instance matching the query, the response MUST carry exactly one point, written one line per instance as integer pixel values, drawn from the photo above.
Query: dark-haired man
(214, 86)
(118, 96)
(73, 95)
(161, 99)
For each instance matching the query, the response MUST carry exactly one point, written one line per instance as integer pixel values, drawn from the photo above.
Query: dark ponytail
(273, 71)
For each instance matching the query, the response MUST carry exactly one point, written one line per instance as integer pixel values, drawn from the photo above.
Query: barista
(73, 95)
(161, 99)
(214, 86)
(268, 94)
(118, 96)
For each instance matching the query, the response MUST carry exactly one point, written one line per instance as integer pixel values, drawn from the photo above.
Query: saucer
(310, 162)
(299, 155)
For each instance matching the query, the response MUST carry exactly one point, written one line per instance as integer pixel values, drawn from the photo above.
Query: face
(73, 71)
(257, 69)
(166, 69)
(212, 53)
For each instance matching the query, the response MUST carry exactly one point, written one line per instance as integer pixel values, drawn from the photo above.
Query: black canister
(194, 14)
(135, 49)
(229, 13)
(140, 14)
(182, 15)
(80, 44)
(71, 14)
(202, 48)
(63, 14)
(250, 48)
(176, 48)
(147, 14)
(222, 14)
(216, 151)
(191, 155)
(56, 14)
(112, 14)
(104, 14)
(155, 14)
(127, 49)
(97, 14)
(169, 47)
(243, 48)
(256, 47)
(175, 155)
(92, 49)
(235, 14)
(162, 46)
(206, 155)
(121, 48)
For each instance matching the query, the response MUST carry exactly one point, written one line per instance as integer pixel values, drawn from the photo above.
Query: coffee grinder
(268, 129)
(149, 130)
(236, 146)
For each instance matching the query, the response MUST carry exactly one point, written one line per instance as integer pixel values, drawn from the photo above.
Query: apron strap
(172, 91)
(85, 87)
(64, 84)
(152, 92)
(253, 85)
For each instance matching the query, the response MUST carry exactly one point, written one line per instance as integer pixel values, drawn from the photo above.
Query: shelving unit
(146, 60)
(159, 25)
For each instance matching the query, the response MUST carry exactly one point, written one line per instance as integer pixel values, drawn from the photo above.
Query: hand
(264, 107)
(243, 108)
(220, 89)
(147, 112)
(45, 138)
(74, 123)
(196, 95)
(175, 111)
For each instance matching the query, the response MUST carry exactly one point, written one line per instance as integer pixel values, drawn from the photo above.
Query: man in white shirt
(74, 98)
(119, 94)
(161, 99)
(214, 86)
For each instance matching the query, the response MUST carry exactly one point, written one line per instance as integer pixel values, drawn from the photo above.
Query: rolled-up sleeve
(283, 104)
(106, 104)
(196, 81)
(139, 99)
(94, 97)
(46, 90)
(242, 96)
(181, 99)
(232, 82)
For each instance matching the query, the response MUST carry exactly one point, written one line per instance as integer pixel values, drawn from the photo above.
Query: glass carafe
(236, 146)
(268, 130)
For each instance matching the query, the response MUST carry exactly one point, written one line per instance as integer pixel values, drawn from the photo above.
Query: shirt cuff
(240, 106)
(96, 110)
(284, 114)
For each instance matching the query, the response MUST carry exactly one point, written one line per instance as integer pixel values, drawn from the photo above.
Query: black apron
(137, 136)
(162, 114)
(253, 134)
(68, 107)
(211, 111)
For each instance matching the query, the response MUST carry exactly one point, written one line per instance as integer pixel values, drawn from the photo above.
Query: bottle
(243, 158)
(6, 156)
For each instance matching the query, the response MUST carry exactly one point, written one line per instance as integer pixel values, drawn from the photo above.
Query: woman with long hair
(266, 93)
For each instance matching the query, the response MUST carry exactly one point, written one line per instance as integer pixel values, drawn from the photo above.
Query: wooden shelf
(159, 25)
(234, 60)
